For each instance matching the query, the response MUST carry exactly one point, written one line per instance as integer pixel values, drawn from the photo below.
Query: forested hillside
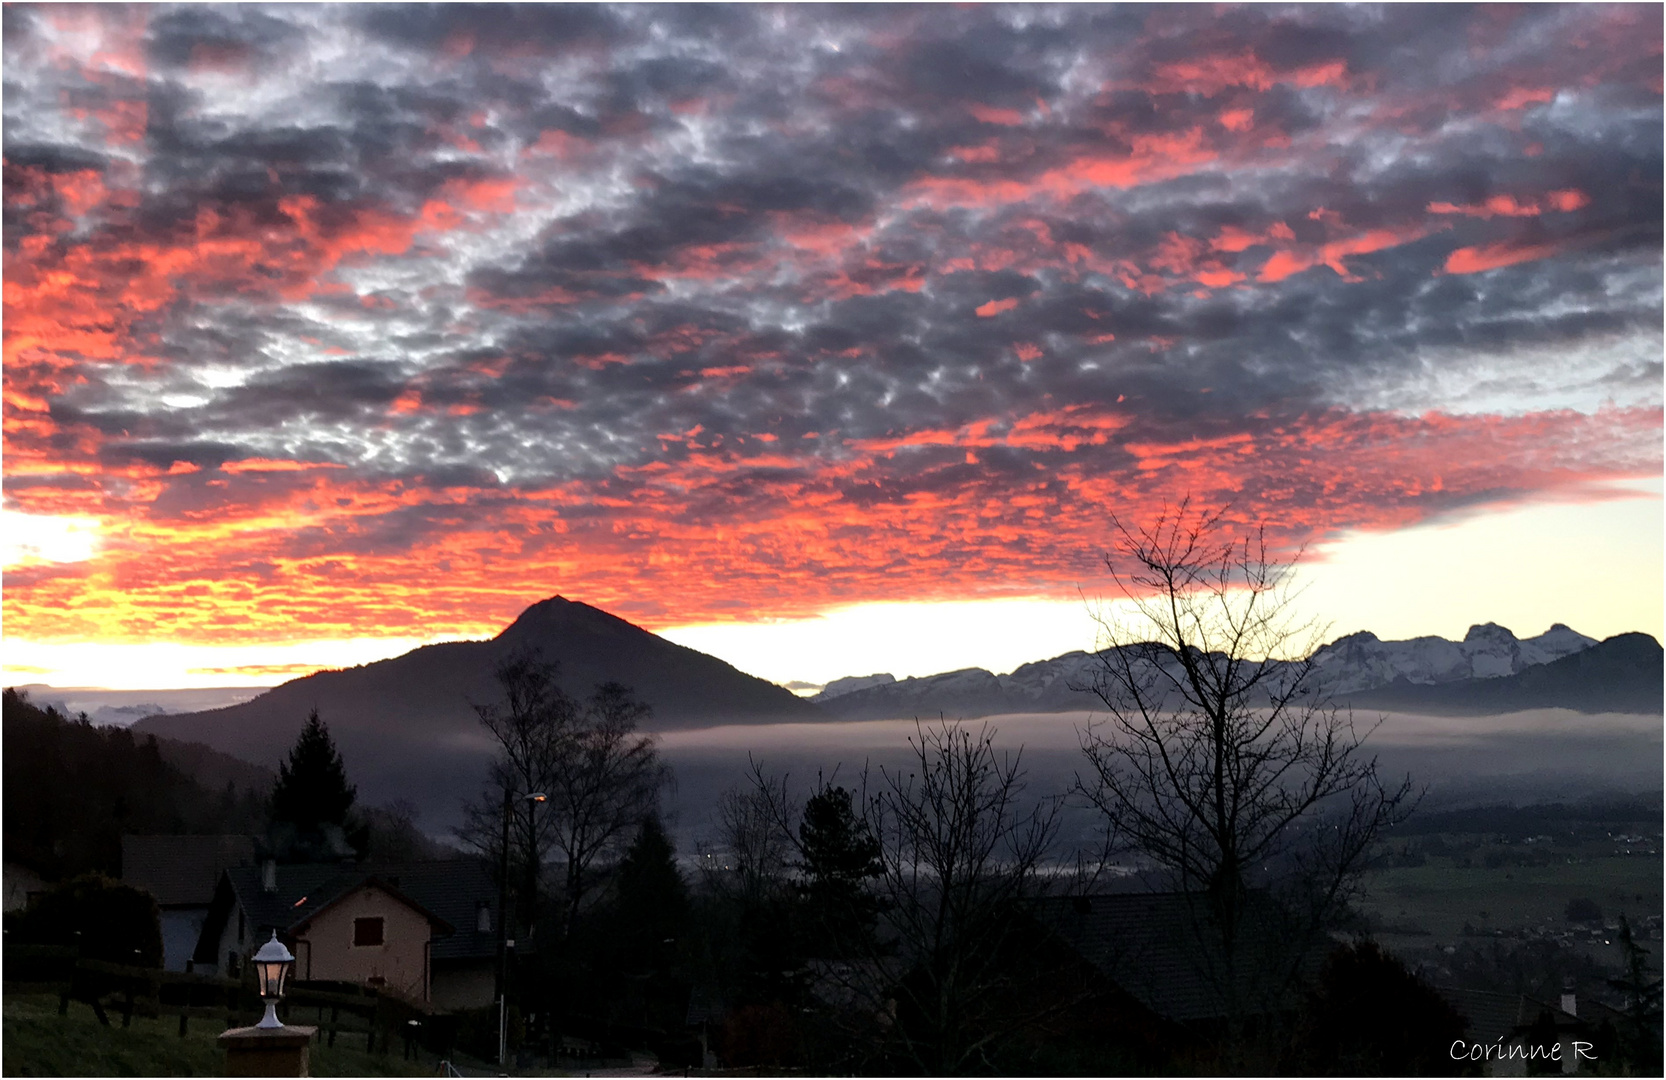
(72, 790)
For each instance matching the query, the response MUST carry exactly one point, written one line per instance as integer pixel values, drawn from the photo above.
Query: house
(181, 872)
(22, 886)
(1160, 949)
(464, 894)
(424, 930)
(1505, 1032)
(1141, 977)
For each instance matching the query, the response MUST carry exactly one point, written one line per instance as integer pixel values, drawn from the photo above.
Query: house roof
(1492, 1016)
(313, 909)
(448, 892)
(454, 890)
(181, 871)
(1158, 948)
(308, 889)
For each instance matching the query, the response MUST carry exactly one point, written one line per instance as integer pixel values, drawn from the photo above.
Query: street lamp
(272, 964)
(503, 941)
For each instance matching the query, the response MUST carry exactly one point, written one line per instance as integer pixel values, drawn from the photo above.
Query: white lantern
(272, 963)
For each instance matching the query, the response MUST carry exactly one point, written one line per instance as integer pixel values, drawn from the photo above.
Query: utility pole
(504, 942)
(503, 932)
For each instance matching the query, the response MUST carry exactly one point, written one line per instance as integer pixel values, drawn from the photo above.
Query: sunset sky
(823, 338)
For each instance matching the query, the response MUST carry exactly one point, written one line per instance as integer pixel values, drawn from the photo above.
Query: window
(367, 931)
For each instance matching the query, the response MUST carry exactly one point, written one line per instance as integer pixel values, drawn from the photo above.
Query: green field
(38, 1042)
(1431, 905)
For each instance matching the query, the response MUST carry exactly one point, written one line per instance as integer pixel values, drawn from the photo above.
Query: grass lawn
(36, 1041)
(1442, 899)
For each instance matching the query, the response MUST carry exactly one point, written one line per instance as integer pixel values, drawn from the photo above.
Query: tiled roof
(181, 871)
(453, 889)
(449, 890)
(1492, 1016)
(1158, 948)
(302, 889)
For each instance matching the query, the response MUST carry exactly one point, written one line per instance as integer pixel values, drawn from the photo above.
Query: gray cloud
(781, 222)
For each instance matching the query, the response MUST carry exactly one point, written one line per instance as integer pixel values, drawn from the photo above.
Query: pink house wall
(325, 949)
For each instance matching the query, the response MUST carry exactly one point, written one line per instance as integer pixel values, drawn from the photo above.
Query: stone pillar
(252, 1051)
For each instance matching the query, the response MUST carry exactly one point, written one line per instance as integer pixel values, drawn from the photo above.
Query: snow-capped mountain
(1349, 665)
(851, 683)
(1362, 661)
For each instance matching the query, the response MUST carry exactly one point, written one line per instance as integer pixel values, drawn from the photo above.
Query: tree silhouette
(652, 902)
(1368, 1015)
(1221, 760)
(605, 780)
(72, 789)
(637, 952)
(841, 857)
(312, 793)
(1640, 1031)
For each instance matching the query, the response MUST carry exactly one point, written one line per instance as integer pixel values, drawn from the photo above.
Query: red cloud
(1509, 206)
(1473, 260)
(737, 532)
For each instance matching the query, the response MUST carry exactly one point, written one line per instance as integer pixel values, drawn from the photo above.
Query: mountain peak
(1489, 632)
(561, 614)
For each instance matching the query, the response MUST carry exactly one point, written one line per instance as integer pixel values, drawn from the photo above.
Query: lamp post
(504, 942)
(271, 1047)
(272, 963)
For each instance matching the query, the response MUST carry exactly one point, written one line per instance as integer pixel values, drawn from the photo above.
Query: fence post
(266, 1052)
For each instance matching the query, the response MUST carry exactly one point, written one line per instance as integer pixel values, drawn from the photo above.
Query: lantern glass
(271, 973)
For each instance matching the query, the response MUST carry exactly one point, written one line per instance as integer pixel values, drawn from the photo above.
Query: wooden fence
(335, 1008)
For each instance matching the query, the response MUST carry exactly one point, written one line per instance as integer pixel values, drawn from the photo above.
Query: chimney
(1570, 1004)
(269, 876)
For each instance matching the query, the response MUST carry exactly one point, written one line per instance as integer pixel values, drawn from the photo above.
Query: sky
(829, 339)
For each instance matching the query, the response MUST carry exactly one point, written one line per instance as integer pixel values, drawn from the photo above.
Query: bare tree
(530, 724)
(1221, 760)
(960, 849)
(604, 779)
(599, 775)
(752, 823)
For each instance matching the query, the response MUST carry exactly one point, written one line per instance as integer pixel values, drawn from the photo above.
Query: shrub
(1582, 909)
(1370, 1016)
(104, 919)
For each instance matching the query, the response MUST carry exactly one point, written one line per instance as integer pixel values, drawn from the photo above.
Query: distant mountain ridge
(1362, 661)
(1621, 674)
(1360, 668)
(407, 722)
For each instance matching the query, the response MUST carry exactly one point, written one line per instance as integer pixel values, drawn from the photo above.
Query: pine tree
(638, 961)
(312, 792)
(653, 898)
(841, 856)
(1640, 1032)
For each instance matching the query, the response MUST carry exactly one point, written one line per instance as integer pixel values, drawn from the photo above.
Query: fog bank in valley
(1535, 756)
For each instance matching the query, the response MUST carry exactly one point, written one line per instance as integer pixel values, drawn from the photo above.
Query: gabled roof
(454, 890)
(448, 893)
(1492, 1016)
(1158, 947)
(181, 871)
(314, 909)
(307, 890)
